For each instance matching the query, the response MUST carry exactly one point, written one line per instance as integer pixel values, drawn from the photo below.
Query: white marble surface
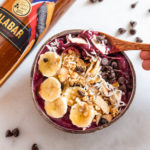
(131, 132)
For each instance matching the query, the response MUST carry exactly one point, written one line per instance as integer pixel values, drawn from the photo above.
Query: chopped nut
(85, 98)
(94, 120)
(107, 117)
(116, 84)
(97, 108)
(98, 117)
(63, 75)
(70, 102)
(74, 75)
(114, 111)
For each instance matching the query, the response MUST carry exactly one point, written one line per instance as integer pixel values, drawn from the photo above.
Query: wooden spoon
(121, 45)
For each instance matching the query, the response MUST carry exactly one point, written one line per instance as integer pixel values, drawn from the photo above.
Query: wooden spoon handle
(125, 45)
(121, 45)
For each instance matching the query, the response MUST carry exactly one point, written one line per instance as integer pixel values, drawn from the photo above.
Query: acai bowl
(76, 87)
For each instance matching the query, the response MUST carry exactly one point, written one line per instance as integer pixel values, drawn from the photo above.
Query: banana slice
(57, 108)
(72, 93)
(82, 115)
(50, 89)
(49, 64)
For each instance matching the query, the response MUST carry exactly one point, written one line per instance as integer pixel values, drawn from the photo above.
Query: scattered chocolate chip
(79, 69)
(100, 0)
(114, 65)
(133, 5)
(121, 30)
(149, 10)
(133, 23)
(45, 60)
(103, 121)
(123, 87)
(138, 40)
(81, 93)
(105, 61)
(121, 80)
(62, 86)
(8, 133)
(93, 1)
(132, 31)
(15, 132)
(35, 147)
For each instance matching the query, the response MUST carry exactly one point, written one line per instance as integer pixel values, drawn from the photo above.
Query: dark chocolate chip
(105, 61)
(112, 81)
(103, 68)
(114, 65)
(149, 10)
(132, 31)
(109, 68)
(138, 40)
(121, 80)
(100, 0)
(35, 147)
(62, 86)
(8, 133)
(129, 87)
(133, 23)
(121, 30)
(112, 75)
(103, 121)
(79, 69)
(45, 60)
(93, 1)
(100, 38)
(105, 42)
(133, 5)
(104, 75)
(81, 93)
(123, 87)
(15, 132)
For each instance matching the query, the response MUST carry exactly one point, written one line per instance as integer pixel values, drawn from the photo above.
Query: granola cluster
(82, 81)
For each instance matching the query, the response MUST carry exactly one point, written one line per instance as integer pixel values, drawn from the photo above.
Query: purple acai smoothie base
(124, 70)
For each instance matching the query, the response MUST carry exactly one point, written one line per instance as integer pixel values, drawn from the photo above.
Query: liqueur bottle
(22, 24)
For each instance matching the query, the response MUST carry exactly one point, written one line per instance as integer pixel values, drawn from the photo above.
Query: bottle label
(22, 8)
(12, 29)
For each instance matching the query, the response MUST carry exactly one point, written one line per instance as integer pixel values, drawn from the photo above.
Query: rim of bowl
(89, 130)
